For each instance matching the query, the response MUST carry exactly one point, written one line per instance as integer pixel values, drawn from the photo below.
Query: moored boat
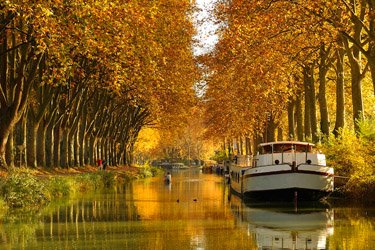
(283, 170)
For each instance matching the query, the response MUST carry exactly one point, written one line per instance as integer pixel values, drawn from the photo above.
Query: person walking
(100, 164)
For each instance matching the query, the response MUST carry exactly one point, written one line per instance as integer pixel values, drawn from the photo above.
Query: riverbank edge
(37, 187)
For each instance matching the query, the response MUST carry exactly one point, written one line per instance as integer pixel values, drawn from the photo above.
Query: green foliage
(354, 157)
(367, 129)
(59, 187)
(3, 204)
(23, 190)
(345, 153)
(156, 170)
(147, 170)
(108, 179)
(87, 182)
(361, 186)
(93, 181)
(219, 156)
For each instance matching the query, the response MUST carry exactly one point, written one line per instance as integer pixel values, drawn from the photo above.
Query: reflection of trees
(102, 208)
(18, 228)
(73, 223)
(356, 226)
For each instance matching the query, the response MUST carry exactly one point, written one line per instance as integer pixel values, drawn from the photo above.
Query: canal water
(195, 211)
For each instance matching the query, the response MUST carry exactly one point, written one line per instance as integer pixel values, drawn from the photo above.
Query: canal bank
(32, 188)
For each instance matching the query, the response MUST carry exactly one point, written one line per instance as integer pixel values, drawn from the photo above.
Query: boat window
(266, 149)
(278, 148)
(288, 147)
(301, 148)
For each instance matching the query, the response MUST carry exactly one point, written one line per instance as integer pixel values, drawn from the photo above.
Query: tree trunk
(241, 146)
(71, 151)
(257, 141)
(64, 159)
(82, 145)
(313, 120)
(271, 127)
(50, 142)
(279, 134)
(323, 68)
(229, 146)
(32, 130)
(248, 146)
(340, 98)
(357, 100)
(24, 137)
(291, 134)
(91, 151)
(77, 146)
(10, 151)
(4, 134)
(57, 145)
(299, 118)
(354, 56)
(41, 149)
(308, 103)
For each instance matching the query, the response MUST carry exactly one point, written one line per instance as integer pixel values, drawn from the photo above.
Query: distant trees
(78, 79)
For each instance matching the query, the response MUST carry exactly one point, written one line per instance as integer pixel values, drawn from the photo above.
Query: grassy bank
(32, 188)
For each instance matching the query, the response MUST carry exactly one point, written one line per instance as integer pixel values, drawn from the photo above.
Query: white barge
(283, 170)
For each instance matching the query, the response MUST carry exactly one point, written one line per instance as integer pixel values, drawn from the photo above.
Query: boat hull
(289, 194)
(283, 182)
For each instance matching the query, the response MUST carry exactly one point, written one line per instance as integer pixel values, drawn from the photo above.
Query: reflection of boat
(284, 170)
(284, 228)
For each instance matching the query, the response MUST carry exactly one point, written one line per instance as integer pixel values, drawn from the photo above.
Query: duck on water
(283, 170)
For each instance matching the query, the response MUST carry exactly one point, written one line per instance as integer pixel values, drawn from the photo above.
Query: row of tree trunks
(238, 146)
(64, 150)
(295, 113)
(77, 137)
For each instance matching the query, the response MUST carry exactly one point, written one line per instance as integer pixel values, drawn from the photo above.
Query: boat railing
(290, 158)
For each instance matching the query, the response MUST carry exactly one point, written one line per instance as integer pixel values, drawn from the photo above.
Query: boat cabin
(285, 146)
(288, 152)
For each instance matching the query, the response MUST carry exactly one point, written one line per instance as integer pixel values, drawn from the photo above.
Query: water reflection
(193, 212)
(282, 226)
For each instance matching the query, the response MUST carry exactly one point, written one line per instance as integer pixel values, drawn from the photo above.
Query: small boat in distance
(175, 165)
(284, 171)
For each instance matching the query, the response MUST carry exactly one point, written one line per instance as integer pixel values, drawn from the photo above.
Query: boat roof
(286, 142)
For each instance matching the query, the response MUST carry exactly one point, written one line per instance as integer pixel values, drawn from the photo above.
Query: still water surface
(194, 212)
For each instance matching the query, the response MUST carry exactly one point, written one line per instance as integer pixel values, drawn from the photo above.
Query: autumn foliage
(275, 56)
(92, 74)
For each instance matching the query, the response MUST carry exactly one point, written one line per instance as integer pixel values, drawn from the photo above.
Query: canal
(195, 211)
